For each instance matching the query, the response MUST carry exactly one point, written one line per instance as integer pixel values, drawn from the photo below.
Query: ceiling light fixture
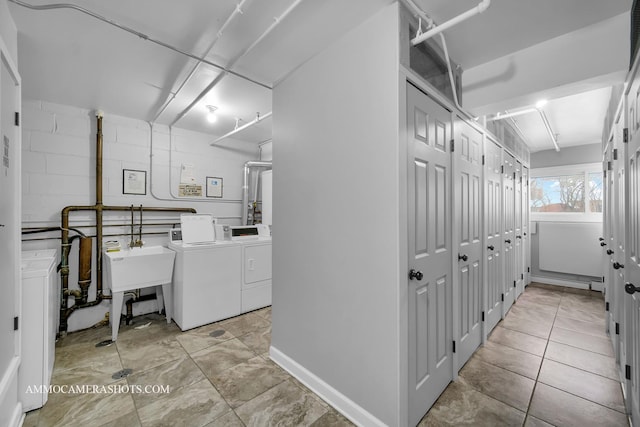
(211, 115)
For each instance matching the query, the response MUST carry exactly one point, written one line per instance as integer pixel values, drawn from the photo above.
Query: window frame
(553, 171)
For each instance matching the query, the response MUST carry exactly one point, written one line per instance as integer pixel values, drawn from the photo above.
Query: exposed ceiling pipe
(547, 125)
(137, 33)
(237, 11)
(220, 76)
(512, 114)
(481, 7)
(257, 120)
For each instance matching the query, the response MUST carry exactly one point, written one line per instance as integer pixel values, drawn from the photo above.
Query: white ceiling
(68, 57)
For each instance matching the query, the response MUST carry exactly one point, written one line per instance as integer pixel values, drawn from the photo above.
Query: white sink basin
(138, 268)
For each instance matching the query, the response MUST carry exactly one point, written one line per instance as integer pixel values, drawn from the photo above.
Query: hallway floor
(548, 362)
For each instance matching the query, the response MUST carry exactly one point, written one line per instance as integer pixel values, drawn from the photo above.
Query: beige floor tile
(230, 419)
(283, 405)
(31, 419)
(527, 325)
(508, 358)
(244, 324)
(245, 381)
(461, 405)
(535, 422)
(194, 405)
(518, 340)
(332, 419)
(258, 340)
(589, 328)
(581, 314)
(595, 388)
(175, 375)
(500, 384)
(149, 355)
(223, 356)
(582, 359)
(566, 410)
(200, 338)
(586, 342)
(127, 420)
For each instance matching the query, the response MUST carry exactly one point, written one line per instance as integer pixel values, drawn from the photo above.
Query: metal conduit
(237, 11)
(220, 76)
(136, 33)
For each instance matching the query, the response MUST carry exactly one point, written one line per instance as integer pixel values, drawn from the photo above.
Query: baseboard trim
(559, 282)
(354, 412)
(9, 400)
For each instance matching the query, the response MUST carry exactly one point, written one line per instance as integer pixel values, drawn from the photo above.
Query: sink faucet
(138, 242)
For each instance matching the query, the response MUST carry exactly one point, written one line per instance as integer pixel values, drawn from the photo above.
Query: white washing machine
(215, 280)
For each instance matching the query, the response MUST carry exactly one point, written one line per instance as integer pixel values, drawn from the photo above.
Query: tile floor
(548, 362)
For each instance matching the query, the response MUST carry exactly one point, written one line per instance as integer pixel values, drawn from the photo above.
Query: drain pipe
(245, 186)
(481, 7)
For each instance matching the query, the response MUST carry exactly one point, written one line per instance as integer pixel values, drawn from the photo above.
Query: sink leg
(116, 311)
(159, 298)
(167, 292)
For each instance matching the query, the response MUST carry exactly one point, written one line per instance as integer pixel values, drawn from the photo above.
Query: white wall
(58, 169)
(336, 219)
(8, 32)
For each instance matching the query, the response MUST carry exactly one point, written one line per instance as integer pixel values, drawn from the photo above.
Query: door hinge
(502, 297)
(625, 135)
(483, 159)
(615, 154)
(502, 169)
(627, 371)
(17, 118)
(15, 323)
(617, 328)
(609, 166)
(514, 283)
(454, 346)
(604, 173)
(528, 269)
(522, 275)
(602, 279)
(606, 306)
(483, 316)
(514, 176)
(453, 145)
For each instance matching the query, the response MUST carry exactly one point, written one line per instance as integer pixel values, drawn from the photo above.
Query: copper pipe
(81, 297)
(84, 268)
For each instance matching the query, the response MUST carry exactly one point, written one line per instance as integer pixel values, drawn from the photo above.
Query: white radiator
(570, 247)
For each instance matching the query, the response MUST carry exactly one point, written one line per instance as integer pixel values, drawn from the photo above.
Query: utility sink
(138, 268)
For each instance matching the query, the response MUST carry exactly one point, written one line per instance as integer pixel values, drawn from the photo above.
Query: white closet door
(518, 252)
(468, 234)
(526, 239)
(508, 230)
(632, 267)
(429, 236)
(493, 233)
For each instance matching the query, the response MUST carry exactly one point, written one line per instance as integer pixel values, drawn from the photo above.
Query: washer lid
(197, 228)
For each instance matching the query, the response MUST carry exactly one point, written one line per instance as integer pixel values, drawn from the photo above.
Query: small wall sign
(190, 190)
(214, 186)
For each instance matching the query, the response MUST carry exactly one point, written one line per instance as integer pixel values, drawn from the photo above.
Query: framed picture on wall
(214, 187)
(134, 181)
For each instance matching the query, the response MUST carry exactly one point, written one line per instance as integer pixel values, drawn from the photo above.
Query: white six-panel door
(429, 231)
(493, 195)
(468, 235)
(632, 267)
(508, 230)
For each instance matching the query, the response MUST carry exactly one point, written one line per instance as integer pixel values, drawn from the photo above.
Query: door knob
(617, 265)
(518, 237)
(462, 257)
(508, 241)
(413, 274)
(601, 239)
(630, 288)
(609, 252)
(603, 244)
(490, 247)
(525, 234)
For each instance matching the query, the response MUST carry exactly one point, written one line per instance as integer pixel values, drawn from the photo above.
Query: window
(572, 193)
